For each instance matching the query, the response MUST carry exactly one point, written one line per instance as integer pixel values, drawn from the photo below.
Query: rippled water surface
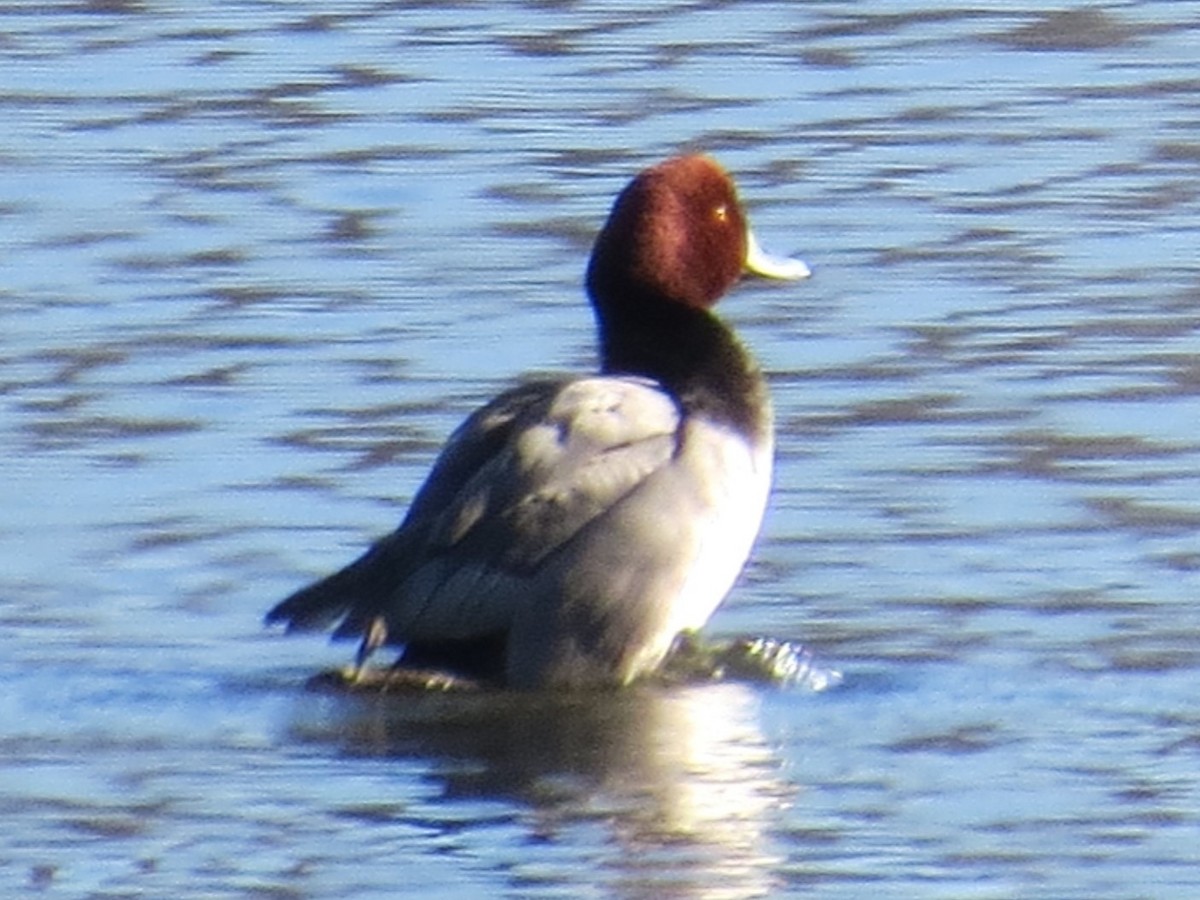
(257, 259)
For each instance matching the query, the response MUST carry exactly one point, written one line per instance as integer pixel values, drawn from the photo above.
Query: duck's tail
(352, 595)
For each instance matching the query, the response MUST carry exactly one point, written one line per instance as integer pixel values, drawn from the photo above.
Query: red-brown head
(678, 233)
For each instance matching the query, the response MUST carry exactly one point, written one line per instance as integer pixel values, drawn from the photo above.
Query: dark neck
(692, 354)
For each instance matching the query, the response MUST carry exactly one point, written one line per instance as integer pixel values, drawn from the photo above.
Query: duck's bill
(759, 262)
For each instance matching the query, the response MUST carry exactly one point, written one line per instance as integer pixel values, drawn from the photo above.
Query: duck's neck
(692, 354)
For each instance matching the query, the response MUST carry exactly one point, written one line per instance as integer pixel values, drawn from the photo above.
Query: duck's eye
(721, 213)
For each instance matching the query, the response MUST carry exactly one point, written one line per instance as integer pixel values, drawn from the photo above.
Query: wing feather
(515, 483)
(596, 441)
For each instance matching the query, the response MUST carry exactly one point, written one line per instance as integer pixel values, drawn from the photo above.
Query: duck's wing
(357, 591)
(517, 480)
(557, 465)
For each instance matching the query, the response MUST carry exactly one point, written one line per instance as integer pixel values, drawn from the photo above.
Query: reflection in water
(685, 770)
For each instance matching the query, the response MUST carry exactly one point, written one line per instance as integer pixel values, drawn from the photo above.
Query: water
(257, 259)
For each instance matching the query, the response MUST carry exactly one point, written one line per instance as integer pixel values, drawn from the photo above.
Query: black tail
(353, 595)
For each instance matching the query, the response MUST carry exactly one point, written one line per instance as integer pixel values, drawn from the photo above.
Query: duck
(573, 527)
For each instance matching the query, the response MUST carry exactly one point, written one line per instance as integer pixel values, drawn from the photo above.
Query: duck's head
(678, 233)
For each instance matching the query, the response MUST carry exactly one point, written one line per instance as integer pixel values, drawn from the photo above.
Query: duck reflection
(681, 779)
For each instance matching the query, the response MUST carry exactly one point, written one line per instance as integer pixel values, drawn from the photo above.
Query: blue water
(258, 259)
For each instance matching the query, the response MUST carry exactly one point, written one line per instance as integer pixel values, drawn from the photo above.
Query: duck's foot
(357, 679)
(760, 660)
(693, 660)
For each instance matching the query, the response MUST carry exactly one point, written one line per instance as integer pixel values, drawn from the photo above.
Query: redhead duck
(573, 527)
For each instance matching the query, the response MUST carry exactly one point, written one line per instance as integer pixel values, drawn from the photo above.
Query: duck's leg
(374, 637)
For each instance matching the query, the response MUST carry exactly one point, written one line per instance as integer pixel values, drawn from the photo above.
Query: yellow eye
(721, 213)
